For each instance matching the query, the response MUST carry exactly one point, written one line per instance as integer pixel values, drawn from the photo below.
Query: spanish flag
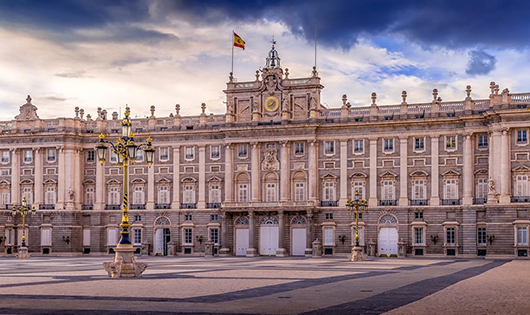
(238, 42)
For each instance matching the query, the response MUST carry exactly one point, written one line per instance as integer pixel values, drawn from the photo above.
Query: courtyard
(198, 285)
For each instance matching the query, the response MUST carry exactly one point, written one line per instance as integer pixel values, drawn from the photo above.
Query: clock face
(271, 104)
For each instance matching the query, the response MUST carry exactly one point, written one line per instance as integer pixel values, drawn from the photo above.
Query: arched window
(299, 186)
(271, 187)
(243, 185)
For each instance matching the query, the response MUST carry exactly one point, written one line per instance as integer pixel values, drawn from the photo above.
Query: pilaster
(176, 178)
(435, 170)
(100, 187)
(313, 175)
(468, 170)
(372, 200)
(38, 199)
(15, 176)
(150, 205)
(343, 173)
(403, 172)
(281, 251)
(284, 172)
(202, 177)
(505, 167)
(255, 173)
(251, 251)
(61, 182)
(229, 169)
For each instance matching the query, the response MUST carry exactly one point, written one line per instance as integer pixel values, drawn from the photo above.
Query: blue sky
(96, 53)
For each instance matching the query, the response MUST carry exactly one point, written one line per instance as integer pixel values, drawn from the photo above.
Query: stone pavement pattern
(79, 285)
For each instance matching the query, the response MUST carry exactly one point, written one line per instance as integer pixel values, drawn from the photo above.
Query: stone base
(357, 254)
(125, 264)
(281, 252)
(224, 252)
(23, 253)
(252, 252)
(308, 252)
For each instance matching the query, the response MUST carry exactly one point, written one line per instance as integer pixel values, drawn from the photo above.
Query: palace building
(273, 174)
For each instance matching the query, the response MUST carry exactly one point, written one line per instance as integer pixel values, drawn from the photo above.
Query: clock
(271, 103)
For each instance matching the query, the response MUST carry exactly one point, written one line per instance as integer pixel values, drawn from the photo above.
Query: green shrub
(393, 255)
(383, 255)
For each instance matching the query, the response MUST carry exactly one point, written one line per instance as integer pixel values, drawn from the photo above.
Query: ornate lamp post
(354, 207)
(125, 264)
(23, 210)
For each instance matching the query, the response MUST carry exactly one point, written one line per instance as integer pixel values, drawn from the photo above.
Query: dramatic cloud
(480, 63)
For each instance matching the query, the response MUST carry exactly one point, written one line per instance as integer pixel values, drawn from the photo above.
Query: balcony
(213, 205)
(520, 199)
(163, 206)
(388, 202)
(87, 207)
(419, 202)
(479, 201)
(328, 203)
(137, 207)
(188, 206)
(450, 202)
(112, 207)
(46, 207)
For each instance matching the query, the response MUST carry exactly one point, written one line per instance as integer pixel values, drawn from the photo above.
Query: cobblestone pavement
(177, 285)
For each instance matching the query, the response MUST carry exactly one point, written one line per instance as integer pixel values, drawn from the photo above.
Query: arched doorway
(298, 236)
(388, 235)
(241, 235)
(268, 236)
(162, 236)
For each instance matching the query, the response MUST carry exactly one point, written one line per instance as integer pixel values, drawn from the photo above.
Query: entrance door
(268, 240)
(299, 242)
(159, 242)
(241, 242)
(388, 239)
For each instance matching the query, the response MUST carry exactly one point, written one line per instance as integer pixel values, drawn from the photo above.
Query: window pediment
(5, 184)
(358, 175)
(388, 175)
(188, 180)
(163, 181)
(138, 181)
(26, 182)
(419, 174)
(113, 182)
(521, 169)
(481, 171)
(329, 177)
(215, 179)
(88, 182)
(451, 173)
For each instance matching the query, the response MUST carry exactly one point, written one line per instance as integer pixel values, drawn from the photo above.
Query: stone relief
(270, 162)
(28, 111)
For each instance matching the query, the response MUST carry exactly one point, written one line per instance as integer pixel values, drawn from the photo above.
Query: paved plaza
(198, 285)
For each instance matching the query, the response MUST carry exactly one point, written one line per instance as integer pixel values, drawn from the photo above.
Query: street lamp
(23, 210)
(354, 207)
(125, 150)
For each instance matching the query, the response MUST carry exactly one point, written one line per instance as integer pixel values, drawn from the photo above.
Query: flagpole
(232, 69)
(315, 45)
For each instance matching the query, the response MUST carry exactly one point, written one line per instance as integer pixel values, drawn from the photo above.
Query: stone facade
(272, 176)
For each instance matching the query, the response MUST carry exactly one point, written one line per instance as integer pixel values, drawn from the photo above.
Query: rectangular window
(215, 151)
(419, 144)
(329, 216)
(138, 195)
(243, 151)
(50, 195)
(522, 236)
(214, 236)
(329, 147)
(358, 146)
(6, 198)
(113, 157)
(187, 217)
(483, 141)
(190, 153)
(482, 188)
(28, 193)
(243, 192)
(188, 195)
(89, 196)
(418, 235)
(329, 191)
(46, 237)
(419, 190)
(215, 193)
(28, 156)
(138, 218)
(481, 236)
(271, 192)
(214, 217)
(112, 236)
(51, 155)
(418, 215)
(5, 156)
(450, 236)
(388, 145)
(299, 192)
(299, 148)
(137, 237)
(164, 154)
(91, 155)
(522, 136)
(86, 237)
(329, 238)
(521, 186)
(388, 190)
(450, 142)
(163, 195)
(188, 237)
(451, 189)
(358, 186)
(114, 196)
(139, 155)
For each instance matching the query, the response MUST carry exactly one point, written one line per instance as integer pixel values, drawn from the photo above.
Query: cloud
(73, 75)
(480, 63)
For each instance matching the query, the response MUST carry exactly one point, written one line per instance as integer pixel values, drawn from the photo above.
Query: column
(69, 179)
(255, 173)
(251, 251)
(285, 171)
(202, 177)
(78, 178)
(15, 176)
(100, 187)
(505, 168)
(281, 252)
(61, 182)
(435, 171)
(176, 178)
(372, 200)
(497, 138)
(150, 205)
(225, 250)
(467, 176)
(38, 198)
(403, 172)
(491, 166)
(309, 233)
(343, 173)
(312, 169)
(229, 172)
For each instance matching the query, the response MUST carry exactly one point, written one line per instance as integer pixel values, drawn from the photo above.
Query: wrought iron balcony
(46, 207)
(138, 207)
(188, 206)
(419, 202)
(479, 201)
(388, 202)
(213, 205)
(328, 203)
(87, 207)
(520, 199)
(112, 207)
(450, 202)
(163, 206)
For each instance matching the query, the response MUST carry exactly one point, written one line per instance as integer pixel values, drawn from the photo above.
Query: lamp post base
(23, 253)
(125, 264)
(357, 254)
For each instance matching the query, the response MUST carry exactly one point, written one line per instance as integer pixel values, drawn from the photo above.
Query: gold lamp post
(23, 210)
(354, 206)
(125, 264)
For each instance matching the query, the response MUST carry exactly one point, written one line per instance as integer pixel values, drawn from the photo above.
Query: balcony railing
(419, 202)
(450, 202)
(213, 205)
(87, 207)
(46, 207)
(388, 202)
(137, 207)
(328, 203)
(520, 199)
(479, 201)
(112, 207)
(163, 206)
(188, 206)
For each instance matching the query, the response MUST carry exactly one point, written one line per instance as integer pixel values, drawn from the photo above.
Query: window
(418, 215)
(214, 153)
(114, 196)
(271, 146)
(28, 156)
(329, 216)
(419, 144)
(450, 189)
(163, 195)
(522, 235)
(5, 156)
(138, 218)
(450, 142)
(271, 192)
(215, 193)
(51, 155)
(91, 155)
(113, 156)
(388, 145)
(242, 151)
(358, 146)
(164, 154)
(361, 235)
(483, 141)
(187, 217)
(189, 193)
(6, 198)
(329, 147)
(388, 190)
(137, 237)
(46, 237)
(329, 191)
(50, 195)
(28, 193)
(188, 236)
(112, 236)
(190, 153)
(329, 238)
(214, 236)
(89, 196)
(299, 148)
(5, 172)
(482, 188)
(243, 192)
(481, 236)
(359, 187)
(418, 236)
(139, 155)
(214, 217)
(299, 192)
(419, 190)
(450, 236)
(522, 136)
(521, 186)
(138, 195)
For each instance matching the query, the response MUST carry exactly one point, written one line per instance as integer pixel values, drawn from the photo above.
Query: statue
(491, 184)
(71, 194)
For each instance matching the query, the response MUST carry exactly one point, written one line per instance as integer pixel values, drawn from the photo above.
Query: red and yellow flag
(238, 42)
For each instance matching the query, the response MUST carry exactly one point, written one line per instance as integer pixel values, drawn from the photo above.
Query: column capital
(505, 131)
(467, 135)
(36, 149)
(403, 139)
(250, 214)
(283, 143)
(228, 145)
(176, 148)
(280, 213)
(254, 144)
(372, 138)
(312, 142)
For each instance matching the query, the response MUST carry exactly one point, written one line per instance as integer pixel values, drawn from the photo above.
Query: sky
(138, 53)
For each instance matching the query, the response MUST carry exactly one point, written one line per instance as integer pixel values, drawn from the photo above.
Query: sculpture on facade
(28, 111)
(270, 162)
(491, 185)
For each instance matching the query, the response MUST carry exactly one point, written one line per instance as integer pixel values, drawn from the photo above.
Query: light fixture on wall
(66, 239)
(199, 238)
(434, 239)
(342, 239)
(491, 238)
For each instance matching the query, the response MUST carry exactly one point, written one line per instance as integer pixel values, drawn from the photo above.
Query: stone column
(225, 250)
(69, 179)
(229, 173)
(468, 170)
(255, 173)
(435, 171)
(372, 200)
(150, 205)
(505, 168)
(251, 251)
(281, 252)
(39, 196)
(313, 170)
(491, 166)
(15, 176)
(285, 171)
(309, 233)
(497, 137)
(61, 182)
(403, 172)
(343, 173)
(100, 187)
(176, 178)
(202, 177)
(79, 171)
